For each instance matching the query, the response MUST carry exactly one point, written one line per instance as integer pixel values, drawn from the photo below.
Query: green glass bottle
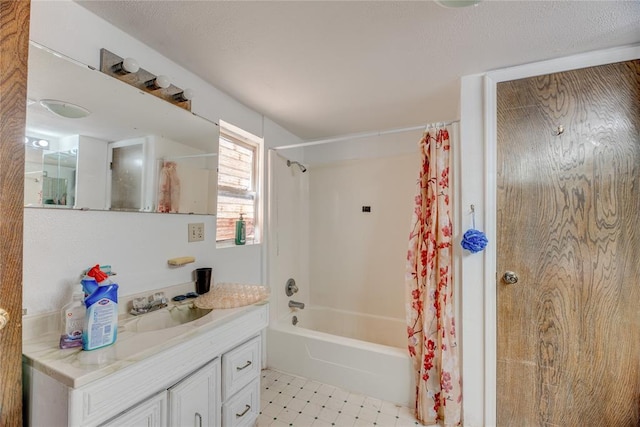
(241, 231)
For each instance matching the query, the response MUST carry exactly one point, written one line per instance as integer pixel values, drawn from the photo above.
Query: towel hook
(473, 215)
(474, 240)
(559, 130)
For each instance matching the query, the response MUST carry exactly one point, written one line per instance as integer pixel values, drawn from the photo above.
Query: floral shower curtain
(169, 188)
(429, 288)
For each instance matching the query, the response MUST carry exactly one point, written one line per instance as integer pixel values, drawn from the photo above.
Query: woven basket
(231, 295)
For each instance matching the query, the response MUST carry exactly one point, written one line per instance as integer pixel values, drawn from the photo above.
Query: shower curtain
(429, 288)
(169, 188)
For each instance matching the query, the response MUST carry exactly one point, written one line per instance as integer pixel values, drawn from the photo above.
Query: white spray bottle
(73, 320)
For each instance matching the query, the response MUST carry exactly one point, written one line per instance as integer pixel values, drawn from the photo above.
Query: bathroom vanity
(205, 372)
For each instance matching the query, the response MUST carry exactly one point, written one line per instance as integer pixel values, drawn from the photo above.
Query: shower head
(302, 168)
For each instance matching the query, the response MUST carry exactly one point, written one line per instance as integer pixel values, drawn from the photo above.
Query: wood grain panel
(569, 225)
(14, 47)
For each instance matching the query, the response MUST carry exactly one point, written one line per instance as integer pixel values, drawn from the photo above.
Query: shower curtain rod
(362, 135)
(191, 156)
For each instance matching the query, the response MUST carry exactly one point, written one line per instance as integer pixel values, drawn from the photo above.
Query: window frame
(250, 142)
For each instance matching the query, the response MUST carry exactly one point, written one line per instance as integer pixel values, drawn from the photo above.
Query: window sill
(230, 244)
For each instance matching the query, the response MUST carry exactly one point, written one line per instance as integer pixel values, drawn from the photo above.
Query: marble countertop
(76, 368)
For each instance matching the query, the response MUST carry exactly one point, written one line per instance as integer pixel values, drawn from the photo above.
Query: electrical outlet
(196, 232)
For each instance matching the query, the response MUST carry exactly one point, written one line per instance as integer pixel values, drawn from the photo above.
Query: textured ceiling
(334, 67)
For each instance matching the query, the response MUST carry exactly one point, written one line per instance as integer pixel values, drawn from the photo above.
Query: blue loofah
(474, 240)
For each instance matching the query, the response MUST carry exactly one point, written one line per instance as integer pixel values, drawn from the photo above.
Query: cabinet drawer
(240, 366)
(243, 408)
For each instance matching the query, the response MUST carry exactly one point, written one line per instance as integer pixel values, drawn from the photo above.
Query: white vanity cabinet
(208, 376)
(194, 401)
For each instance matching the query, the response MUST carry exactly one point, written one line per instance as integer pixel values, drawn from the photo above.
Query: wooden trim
(14, 49)
(584, 60)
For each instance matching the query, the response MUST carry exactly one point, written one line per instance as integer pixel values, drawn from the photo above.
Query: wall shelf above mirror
(132, 152)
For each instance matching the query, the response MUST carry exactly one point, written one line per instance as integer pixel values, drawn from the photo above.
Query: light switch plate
(196, 232)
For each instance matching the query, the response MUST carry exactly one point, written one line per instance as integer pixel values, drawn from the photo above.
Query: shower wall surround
(357, 258)
(341, 256)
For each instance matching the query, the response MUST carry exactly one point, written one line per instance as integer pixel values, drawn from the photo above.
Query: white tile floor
(287, 400)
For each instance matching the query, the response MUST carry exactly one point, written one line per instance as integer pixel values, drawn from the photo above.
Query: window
(238, 184)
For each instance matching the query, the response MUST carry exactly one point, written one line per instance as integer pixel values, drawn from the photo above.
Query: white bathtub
(360, 353)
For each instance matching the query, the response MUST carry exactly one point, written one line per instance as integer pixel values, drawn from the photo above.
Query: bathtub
(357, 352)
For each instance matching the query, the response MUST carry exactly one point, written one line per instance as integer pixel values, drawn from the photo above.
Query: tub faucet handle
(291, 287)
(296, 304)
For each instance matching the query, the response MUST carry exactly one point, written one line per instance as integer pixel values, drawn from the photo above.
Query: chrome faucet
(296, 304)
(291, 287)
(143, 305)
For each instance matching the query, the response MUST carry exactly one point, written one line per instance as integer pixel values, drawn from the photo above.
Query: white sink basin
(164, 318)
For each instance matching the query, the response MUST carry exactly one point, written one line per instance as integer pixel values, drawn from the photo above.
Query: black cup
(203, 280)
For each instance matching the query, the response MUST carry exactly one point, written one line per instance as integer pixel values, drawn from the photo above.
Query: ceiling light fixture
(64, 109)
(160, 82)
(126, 66)
(128, 71)
(36, 142)
(184, 96)
(457, 3)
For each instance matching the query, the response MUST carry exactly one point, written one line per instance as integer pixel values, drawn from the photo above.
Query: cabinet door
(195, 401)
(150, 413)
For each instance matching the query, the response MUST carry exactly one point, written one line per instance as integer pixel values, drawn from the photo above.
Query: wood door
(14, 47)
(569, 226)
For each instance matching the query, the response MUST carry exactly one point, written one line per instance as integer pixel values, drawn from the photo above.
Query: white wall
(58, 245)
(363, 148)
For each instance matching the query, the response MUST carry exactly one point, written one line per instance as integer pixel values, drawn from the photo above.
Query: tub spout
(296, 304)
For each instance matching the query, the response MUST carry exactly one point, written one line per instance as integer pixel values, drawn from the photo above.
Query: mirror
(133, 152)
